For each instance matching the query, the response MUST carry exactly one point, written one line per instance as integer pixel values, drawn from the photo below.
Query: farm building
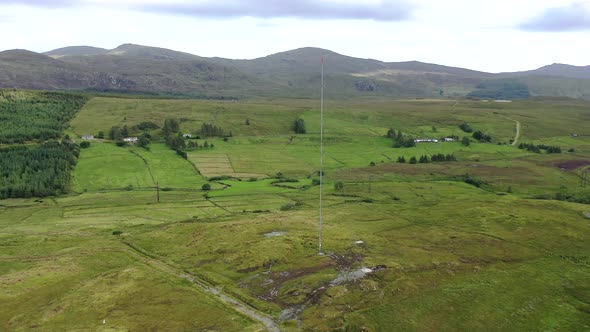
(187, 135)
(130, 139)
(449, 139)
(426, 140)
(87, 137)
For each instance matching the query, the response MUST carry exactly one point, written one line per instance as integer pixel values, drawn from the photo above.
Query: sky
(491, 36)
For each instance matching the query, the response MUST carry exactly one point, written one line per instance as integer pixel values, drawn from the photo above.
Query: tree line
(424, 159)
(537, 148)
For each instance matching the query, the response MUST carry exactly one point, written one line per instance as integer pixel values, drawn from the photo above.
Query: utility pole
(158, 191)
(321, 156)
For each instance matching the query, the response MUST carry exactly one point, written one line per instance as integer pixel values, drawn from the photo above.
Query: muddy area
(571, 165)
(268, 284)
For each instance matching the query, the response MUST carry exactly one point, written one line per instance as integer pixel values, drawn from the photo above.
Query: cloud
(385, 10)
(39, 3)
(574, 17)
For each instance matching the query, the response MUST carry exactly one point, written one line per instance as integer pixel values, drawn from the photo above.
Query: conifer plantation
(36, 116)
(43, 169)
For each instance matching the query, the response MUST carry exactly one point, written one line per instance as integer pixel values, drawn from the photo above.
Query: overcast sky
(494, 36)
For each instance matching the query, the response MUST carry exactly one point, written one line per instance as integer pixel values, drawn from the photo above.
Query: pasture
(444, 254)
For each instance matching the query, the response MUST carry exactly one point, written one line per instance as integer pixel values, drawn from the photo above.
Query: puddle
(348, 276)
(273, 234)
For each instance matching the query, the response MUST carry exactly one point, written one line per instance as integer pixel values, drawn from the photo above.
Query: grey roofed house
(87, 137)
(187, 135)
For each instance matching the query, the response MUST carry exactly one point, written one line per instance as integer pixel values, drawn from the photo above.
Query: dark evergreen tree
(424, 160)
(115, 133)
(125, 131)
(299, 126)
(143, 141)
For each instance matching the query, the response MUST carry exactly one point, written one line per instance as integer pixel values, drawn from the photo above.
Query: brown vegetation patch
(571, 165)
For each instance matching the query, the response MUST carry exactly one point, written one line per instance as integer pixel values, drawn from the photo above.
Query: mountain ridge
(292, 73)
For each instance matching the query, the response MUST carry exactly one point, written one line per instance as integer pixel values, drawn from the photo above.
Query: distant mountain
(295, 73)
(299, 69)
(76, 50)
(154, 53)
(127, 68)
(558, 70)
(26, 69)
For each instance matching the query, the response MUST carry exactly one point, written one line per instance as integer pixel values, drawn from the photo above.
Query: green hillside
(295, 73)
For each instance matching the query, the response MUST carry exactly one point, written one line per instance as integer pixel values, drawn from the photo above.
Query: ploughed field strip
(212, 165)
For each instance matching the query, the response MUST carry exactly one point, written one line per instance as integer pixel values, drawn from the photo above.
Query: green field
(451, 256)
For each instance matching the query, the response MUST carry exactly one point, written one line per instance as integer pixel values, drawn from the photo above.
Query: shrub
(147, 125)
(465, 141)
(480, 136)
(287, 207)
(206, 187)
(84, 144)
(465, 127)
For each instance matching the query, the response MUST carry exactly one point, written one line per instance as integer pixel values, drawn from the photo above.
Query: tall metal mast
(321, 155)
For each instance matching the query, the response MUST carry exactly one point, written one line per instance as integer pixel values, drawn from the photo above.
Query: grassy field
(444, 254)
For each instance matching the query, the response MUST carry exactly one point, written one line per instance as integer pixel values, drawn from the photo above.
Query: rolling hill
(295, 73)
(76, 50)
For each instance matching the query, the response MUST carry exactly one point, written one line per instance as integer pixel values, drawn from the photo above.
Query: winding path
(517, 135)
